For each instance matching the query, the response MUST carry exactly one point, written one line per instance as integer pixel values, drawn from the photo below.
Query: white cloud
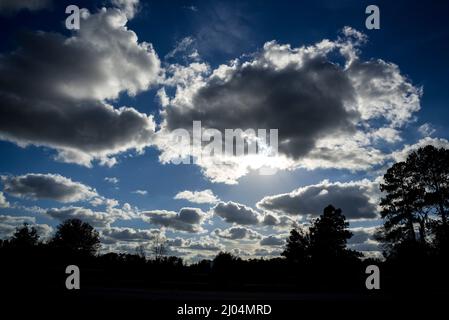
(204, 196)
(3, 202)
(112, 180)
(402, 154)
(426, 130)
(140, 192)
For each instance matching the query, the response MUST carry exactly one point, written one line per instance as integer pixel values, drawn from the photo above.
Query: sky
(88, 116)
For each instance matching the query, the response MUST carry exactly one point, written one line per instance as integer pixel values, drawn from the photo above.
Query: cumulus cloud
(187, 219)
(8, 225)
(363, 240)
(401, 155)
(315, 101)
(47, 186)
(264, 252)
(237, 213)
(54, 89)
(205, 244)
(3, 202)
(356, 198)
(117, 234)
(237, 233)
(272, 240)
(275, 220)
(95, 218)
(204, 196)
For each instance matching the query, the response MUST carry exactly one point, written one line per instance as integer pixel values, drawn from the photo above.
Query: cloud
(426, 130)
(112, 180)
(185, 49)
(363, 240)
(95, 218)
(116, 234)
(401, 155)
(329, 114)
(275, 220)
(16, 220)
(187, 219)
(237, 213)
(205, 244)
(130, 7)
(140, 192)
(3, 202)
(47, 186)
(264, 252)
(237, 233)
(356, 198)
(10, 6)
(54, 90)
(8, 225)
(272, 240)
(204, 196)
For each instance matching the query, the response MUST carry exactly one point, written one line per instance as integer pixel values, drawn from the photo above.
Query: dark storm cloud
(53, 88)
(303, 103)
(233, 212)
(354, 198)
(46, 186)
(188, 219)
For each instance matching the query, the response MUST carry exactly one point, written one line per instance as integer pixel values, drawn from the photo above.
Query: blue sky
(412, 45)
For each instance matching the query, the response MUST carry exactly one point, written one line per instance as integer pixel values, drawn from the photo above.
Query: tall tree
(329, 234)
(431, 167)
(81, 237)
(297, 247)
(325, 240)
(401, 205)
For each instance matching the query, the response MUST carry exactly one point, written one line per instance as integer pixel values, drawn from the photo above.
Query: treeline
(414, 238)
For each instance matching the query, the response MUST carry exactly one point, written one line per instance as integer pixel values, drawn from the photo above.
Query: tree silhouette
(416, 192)
(24, 237)
(325, 240)
(328, 236)
(78, 236)
(431, 168)
(158, 247)
(401, 205)
(297, 247)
